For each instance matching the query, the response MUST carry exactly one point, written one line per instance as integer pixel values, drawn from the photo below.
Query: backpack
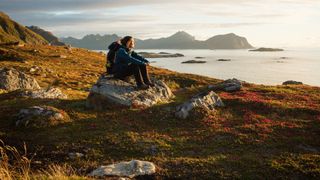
(113, 48)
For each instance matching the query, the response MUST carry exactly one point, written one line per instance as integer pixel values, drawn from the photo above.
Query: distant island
(179, 40)
(193, 62)
(266, 49)
(159, 55)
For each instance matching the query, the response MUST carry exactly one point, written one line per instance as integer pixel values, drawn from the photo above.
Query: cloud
(154, 18)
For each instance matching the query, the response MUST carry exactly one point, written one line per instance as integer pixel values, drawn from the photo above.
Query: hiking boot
(142, 87)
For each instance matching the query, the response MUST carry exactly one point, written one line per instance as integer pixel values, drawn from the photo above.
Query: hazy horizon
(277, 23)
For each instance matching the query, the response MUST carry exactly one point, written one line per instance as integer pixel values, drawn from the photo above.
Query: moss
(247, 139)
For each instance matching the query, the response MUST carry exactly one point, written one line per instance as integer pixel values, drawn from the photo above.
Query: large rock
(11, 79)
(227, 85)
(50, 93)
(126, 169)
(291, 82)
(41, 116)
(110, 90)
(207, 101)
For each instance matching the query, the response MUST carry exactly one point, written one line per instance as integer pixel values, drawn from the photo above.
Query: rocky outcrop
(126, 169)
(11, 79)
(110, 90)
(179, 40)
(41, 116)
(207, 101)
(227, 85)
(53, 40)
(50, 93)
(291, 82)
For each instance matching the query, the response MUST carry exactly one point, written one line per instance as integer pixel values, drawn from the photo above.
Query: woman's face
(130, 43)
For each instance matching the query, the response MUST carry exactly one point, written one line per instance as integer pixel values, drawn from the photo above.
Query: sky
(268, 23)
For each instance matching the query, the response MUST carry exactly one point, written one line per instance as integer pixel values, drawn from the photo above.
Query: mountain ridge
(52, 39)
(179, 40)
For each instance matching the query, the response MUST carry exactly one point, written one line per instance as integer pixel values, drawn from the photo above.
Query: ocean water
(269, 68)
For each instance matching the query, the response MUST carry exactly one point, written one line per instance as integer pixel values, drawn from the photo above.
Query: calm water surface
(270, 68)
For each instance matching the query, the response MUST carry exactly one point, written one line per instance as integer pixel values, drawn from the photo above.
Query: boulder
(291, 82)
(111, 90)
(12, 79)
(41, 116)
(207, 101)
(125, 169)
(227, 85)
(50, 93)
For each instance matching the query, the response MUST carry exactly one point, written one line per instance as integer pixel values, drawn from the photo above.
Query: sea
(268, 68)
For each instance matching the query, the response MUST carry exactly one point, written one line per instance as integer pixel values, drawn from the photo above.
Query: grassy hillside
(11, 31)
(264, 132)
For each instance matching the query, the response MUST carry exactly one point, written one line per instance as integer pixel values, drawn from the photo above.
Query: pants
(140, 73)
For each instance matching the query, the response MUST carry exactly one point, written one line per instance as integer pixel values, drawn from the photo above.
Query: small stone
(75, 155)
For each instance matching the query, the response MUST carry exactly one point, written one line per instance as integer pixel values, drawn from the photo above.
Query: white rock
(126, 169)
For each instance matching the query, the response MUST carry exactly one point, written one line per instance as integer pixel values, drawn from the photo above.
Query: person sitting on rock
(128, 62)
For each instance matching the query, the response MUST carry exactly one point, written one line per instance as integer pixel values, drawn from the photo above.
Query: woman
(128, 62)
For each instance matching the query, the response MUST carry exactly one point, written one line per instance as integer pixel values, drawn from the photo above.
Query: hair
(125, 39)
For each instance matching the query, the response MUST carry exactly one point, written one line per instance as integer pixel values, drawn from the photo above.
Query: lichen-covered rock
(207, 101)
(291, 82)
(12, 79)
(110, 90)
(41, 116)
(125, 169)
(50, 93)
(228, 85)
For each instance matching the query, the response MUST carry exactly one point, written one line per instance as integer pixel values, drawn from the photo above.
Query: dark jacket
(125, 57)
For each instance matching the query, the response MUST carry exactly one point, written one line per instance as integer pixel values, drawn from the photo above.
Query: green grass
(264, 132)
